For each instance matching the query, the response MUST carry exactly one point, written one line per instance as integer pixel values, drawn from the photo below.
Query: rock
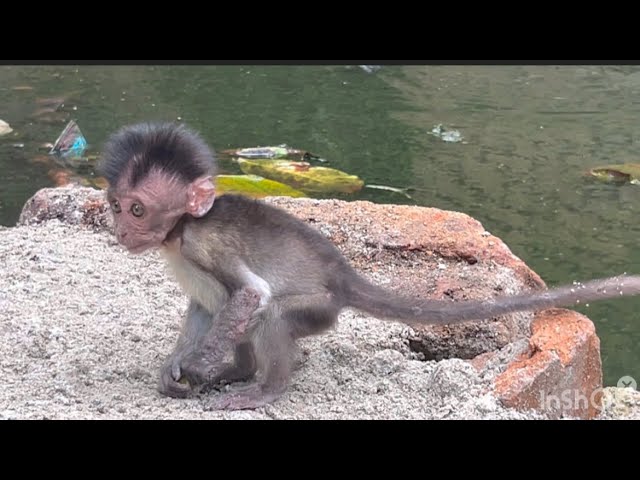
(620, 403)
(386, 362)
(562, 373)
(70, 204)
(455, 380)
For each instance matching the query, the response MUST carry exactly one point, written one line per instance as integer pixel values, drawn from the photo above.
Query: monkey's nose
(121, 236)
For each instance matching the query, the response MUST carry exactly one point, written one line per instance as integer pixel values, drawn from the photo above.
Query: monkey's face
(141, 225)
(143, 216)
(146, 214)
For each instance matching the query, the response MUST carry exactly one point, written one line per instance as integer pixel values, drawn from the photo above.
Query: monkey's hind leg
(275, 329)
(243, 368)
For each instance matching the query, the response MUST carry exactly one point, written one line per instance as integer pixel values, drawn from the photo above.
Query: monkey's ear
(200, 196)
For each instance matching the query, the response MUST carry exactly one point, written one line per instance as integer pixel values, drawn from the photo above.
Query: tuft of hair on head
(136, 150)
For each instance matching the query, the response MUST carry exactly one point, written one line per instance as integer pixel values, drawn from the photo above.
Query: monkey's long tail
(384, 304)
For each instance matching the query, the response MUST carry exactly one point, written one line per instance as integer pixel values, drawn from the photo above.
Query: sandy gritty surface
(84, 327)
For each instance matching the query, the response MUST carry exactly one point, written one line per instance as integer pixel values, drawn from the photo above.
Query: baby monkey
(162, 195)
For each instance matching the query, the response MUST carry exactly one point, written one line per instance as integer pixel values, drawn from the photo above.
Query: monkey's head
(156, 173)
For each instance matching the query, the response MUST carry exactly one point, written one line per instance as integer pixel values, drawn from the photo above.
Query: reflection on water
(529, 132)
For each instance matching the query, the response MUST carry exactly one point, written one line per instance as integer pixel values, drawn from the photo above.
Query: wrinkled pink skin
(164, 199)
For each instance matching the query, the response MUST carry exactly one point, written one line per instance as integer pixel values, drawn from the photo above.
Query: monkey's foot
(199, 369)
(243, 398)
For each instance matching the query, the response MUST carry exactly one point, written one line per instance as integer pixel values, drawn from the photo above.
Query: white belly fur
(257, 283)
(204, 289)
(207, 291)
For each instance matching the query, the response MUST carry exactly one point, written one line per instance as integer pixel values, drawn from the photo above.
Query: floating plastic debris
(370, 68)
(402, 191)
(70, 143)
(4, 128)
(453, 136)
(302, 176)
(620, 173)
(281, 151)
(254, 186)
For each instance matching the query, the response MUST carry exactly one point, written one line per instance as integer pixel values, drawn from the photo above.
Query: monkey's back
(291, 256)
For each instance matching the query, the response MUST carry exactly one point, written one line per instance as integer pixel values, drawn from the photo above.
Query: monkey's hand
(172, 384)
(207, 364)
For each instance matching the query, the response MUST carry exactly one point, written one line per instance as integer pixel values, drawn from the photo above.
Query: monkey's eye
(137, 210)
(115, 205)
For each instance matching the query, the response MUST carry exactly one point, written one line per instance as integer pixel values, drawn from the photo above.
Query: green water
(530, 132)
